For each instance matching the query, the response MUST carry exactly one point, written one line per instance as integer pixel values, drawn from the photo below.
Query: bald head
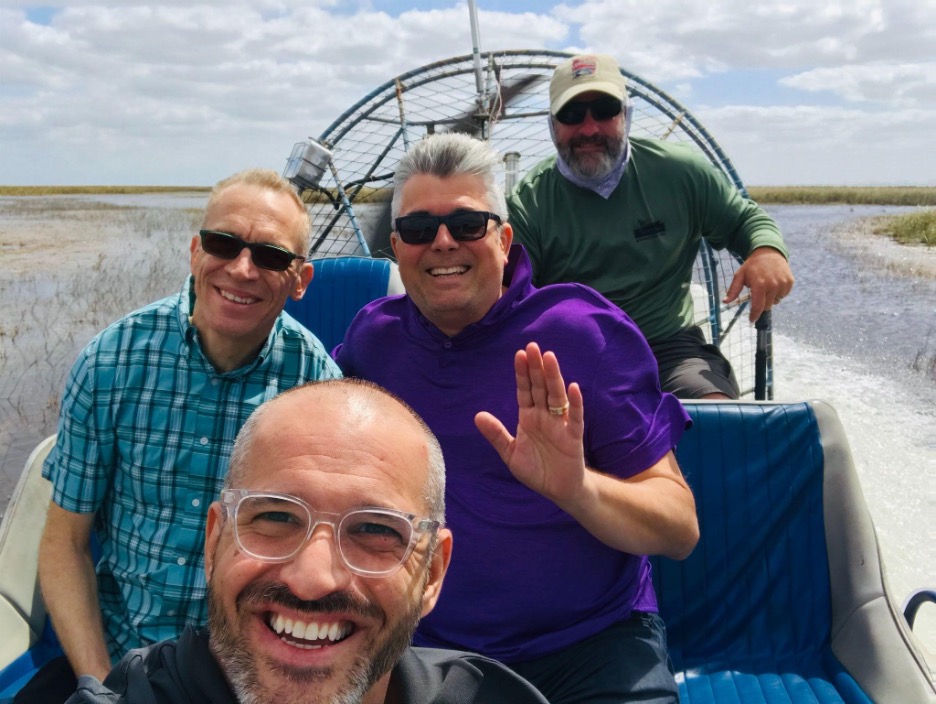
(365, 428)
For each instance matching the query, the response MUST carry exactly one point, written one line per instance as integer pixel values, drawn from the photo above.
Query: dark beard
(240, 665)
(591, 166)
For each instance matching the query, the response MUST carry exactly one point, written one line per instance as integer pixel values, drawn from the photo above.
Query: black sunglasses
(601, 109)
(224, 245)
(464, 226)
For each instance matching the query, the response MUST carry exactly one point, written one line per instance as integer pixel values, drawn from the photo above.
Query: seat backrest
(340, 287)
(786, 576)
(22, 612)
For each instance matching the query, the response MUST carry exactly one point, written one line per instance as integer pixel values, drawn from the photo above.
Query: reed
(847, 195)
(96, 190)
(51, 310)
(366, 194)
(818, 195)
(912, 228)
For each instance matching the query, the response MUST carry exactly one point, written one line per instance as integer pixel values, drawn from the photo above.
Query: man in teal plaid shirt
(149, 416)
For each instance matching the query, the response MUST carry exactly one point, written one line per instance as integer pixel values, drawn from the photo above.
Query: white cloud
(174, 92)
(138, 87)
(900, 85)
(668, 40)
(826, 146)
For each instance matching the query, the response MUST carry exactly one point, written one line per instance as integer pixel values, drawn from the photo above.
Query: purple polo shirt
(526, 579)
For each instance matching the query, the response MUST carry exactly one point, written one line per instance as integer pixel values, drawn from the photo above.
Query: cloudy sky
(178, 92)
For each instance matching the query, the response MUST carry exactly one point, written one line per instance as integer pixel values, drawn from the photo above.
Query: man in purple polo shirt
(553, 522)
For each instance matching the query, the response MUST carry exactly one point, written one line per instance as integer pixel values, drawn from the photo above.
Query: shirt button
(204, 441)
(170, 612)
(181, 561)
(214, 382)
(448, 344)
(196, 502)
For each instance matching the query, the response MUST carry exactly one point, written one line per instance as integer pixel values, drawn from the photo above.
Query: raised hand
(547, 453)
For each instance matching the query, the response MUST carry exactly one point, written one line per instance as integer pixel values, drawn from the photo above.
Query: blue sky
(182, 92)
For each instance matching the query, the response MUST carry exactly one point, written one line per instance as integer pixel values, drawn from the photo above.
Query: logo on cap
(584, 66)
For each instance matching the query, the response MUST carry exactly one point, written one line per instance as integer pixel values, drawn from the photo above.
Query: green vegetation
(367, 194)
(848, 195)
(913, 228)
(818, 195)
(95, 190)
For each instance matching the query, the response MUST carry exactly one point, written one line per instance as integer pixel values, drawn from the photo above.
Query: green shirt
(639, 246)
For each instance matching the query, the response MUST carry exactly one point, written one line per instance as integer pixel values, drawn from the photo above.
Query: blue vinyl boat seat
(340, 287)
(783, 600)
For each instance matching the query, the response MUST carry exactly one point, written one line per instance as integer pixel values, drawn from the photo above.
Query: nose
(318, 569)
(589, 125)
(443, 239)
(243, 265)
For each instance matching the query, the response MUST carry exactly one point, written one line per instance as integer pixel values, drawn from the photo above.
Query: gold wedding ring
(559, 410)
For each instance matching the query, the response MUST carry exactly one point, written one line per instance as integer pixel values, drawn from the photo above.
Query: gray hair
(272, 181)
(451, 155)
(366, 391)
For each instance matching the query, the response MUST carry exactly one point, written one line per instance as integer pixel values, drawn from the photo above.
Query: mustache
(589, 140)
(272, 593)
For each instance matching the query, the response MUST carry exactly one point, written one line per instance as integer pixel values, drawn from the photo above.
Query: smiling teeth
(236, 299)
(447, 270)
(300, 630)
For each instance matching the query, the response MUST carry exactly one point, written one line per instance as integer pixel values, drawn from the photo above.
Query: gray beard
(240, 665)
(592, 166)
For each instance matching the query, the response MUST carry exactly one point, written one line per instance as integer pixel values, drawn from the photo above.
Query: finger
(758, 305)
(737, 285)
(576, 410)
(555, 385)
(495, 433)
(522, 373)
(537, 375)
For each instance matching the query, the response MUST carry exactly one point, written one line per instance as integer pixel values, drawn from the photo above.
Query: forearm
(646, 516)
(69, 589)
(758, 229)
(740, 224)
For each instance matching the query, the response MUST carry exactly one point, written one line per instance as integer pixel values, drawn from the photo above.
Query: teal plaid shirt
(146, 429)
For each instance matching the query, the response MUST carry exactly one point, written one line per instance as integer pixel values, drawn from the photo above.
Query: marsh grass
(913, 228)
(95, 190)
(844, 195)
(366, 194)
(60, 297)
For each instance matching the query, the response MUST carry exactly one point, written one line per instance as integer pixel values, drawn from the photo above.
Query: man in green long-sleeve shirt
(624, 215)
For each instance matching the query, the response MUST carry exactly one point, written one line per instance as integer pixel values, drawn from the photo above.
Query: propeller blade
(378, 234)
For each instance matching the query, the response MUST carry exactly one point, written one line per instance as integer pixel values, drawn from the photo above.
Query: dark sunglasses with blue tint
(601, 109)
(224, 245)
(463, 226)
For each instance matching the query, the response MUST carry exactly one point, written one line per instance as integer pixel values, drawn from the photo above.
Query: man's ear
(438, 566)
(193, 250)
(302, 283)
(213, 527)
(394, 243)
(506, 237)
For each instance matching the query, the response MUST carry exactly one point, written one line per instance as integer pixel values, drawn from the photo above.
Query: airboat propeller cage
(351, 212)
(307, 165)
